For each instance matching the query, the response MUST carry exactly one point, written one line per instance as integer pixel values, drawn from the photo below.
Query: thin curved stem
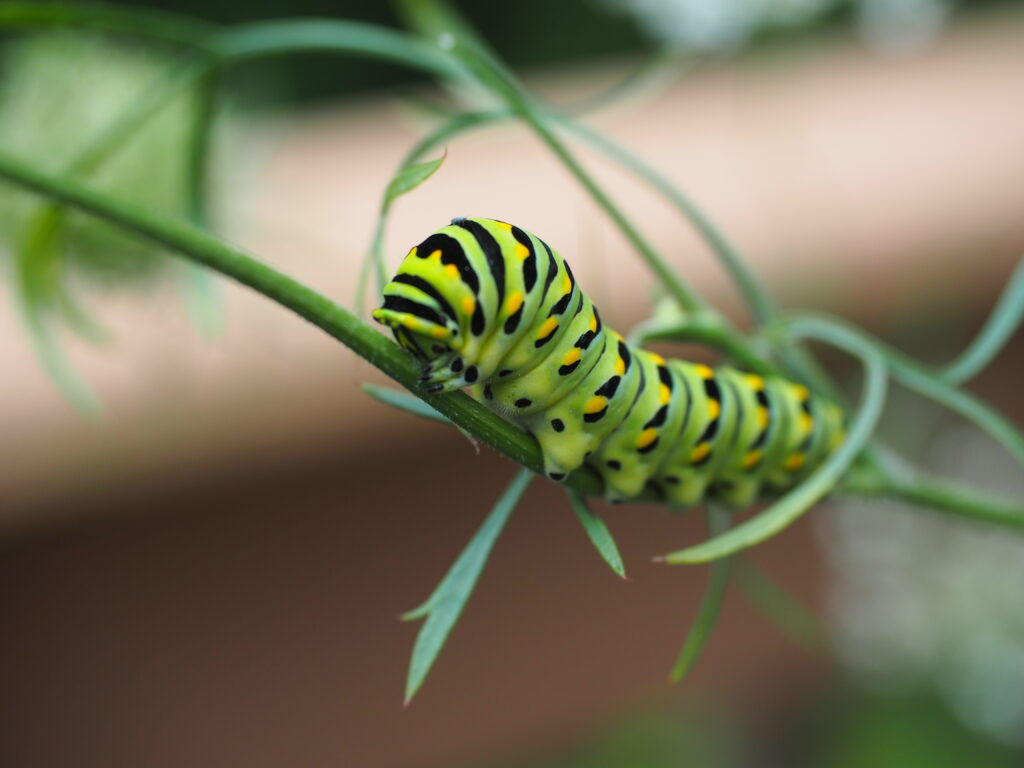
(1000, 326)
(918, 378)
(709, 332)
(271, 38)
(757, 301)
(437, 20)
(942, 496)
(157, 25)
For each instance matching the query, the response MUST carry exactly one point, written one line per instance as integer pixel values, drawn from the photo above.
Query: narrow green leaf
(447, 601)
(1000, 326)
(598, 533)
(802, 497)
(710, 604)
(780, 606)
(403, 401)
(410, 177)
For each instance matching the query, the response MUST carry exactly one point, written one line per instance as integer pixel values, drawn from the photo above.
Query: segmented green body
(487, 305)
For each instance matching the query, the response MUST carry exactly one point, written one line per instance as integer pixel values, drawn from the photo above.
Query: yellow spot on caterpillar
(515, 301)
(596, 404)
(521, 251)
(439, 332)
(593, 323)
(703, 371)
(698, 453)
(762, 416)
(664, 394)
(756, 382)
(468, 305)
(547, 327)
(646, 437)
(806, 423)
(620, 366)
(801, 392)
(411, 253)
(657, 359)
(503, 225)
(435, 255)
(752, 459)
(572, 356)
(451, 271)
(566, 284)
(714, 409)
(794, 462)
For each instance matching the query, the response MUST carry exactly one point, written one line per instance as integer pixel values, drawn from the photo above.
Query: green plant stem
(658, 71)
(757, 300)
(941, 496)
(711, 602)
(709, 331)
(918, 378)
(273, 38)
(435, 19)
(779, 606)
(1001, 324)
(157, 25)
(364, 340)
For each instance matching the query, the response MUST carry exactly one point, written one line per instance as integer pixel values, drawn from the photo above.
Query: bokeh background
(209, 571)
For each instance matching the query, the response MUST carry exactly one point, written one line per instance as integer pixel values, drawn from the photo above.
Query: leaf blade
(598, 533)
(404, 402)
(445, 604)
(410, 177)
(710, 604)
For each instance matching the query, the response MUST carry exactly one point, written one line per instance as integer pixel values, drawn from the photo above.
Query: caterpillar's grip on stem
(484, 304)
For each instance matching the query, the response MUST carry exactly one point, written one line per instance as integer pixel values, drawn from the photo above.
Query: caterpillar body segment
(486, 305)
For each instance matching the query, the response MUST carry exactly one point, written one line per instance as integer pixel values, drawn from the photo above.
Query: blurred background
(208, 571)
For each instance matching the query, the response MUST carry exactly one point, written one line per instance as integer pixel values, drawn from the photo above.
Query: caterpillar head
(423, 322)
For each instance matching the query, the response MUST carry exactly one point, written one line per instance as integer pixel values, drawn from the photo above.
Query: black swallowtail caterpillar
(485, 304)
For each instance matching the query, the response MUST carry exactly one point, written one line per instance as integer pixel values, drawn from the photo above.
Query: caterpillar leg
(685, 488)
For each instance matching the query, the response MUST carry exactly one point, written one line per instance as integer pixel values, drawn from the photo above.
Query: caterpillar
(486, 305)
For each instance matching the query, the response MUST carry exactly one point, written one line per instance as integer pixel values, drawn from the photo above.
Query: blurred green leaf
(199, 290)
(710, 604)
(598, 533)
(411, 177)
(445, 604)
(403, 401)
(779, 606)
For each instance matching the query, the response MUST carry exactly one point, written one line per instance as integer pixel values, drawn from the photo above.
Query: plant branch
(364, 340)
